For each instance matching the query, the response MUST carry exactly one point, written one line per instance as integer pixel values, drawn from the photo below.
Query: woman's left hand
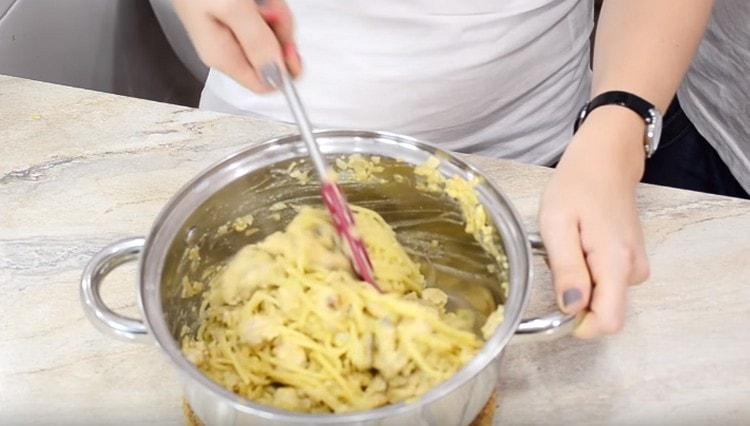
(589, 221)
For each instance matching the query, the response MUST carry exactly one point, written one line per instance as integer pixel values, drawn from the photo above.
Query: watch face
(653, 131)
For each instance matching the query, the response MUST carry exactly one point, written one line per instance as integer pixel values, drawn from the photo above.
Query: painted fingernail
(570, 297)
(271, 75)
(270, 16)
(289, 50)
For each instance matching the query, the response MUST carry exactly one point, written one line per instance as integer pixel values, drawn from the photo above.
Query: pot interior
(430, 226)
(188, 242)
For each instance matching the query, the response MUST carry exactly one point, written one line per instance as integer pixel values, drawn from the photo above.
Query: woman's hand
(589, 222)
(588, 216)
(239, 37)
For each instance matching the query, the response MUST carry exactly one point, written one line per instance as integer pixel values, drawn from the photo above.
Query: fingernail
(290, 56)
(289, 50)
(570, 297)
(271, 75)
(260, 2)
(270, 17)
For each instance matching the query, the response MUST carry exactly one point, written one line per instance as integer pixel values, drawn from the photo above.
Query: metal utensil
(333, 198)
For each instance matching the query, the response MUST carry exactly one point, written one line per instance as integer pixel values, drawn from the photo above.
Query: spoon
(333, 197)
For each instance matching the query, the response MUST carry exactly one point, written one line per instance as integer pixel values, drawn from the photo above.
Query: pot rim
(151, 266)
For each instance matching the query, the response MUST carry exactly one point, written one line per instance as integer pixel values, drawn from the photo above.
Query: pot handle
(554, 324)
(104, 318)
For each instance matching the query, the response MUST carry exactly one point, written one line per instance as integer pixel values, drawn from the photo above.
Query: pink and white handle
(343, 221)
(333, 198)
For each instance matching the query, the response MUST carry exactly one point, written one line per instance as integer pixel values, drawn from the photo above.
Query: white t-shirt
(503, 78)
(715, 94)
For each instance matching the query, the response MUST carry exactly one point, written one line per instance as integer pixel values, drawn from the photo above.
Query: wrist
(643, 108)
(612, 138)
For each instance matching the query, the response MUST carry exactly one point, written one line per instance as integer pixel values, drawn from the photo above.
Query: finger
(567, 263)
(255, 37)
(606, 314)
(278, 16)
(292, 59)
(219, 49)
(640, 269)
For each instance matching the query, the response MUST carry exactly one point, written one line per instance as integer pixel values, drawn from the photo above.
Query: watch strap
(635, 103)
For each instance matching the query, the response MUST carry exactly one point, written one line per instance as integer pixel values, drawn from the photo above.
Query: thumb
(567, 262)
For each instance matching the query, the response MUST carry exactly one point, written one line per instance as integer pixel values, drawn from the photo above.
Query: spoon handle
(280, 79)
(333, 197)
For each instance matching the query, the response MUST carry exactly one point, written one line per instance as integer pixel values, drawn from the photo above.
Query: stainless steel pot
(250, 182)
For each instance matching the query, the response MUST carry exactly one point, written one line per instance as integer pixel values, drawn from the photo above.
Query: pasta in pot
(287, 323)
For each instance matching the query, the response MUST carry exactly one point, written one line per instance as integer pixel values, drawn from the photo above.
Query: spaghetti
(287, 323)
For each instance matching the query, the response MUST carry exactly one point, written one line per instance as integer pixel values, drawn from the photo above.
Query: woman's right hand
(239, 37)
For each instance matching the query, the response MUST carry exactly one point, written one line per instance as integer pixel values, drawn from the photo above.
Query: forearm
(645, 46)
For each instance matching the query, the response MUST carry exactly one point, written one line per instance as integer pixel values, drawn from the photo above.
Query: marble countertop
(80, 169)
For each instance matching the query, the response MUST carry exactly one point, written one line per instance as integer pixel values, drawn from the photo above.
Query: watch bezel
(654, 125)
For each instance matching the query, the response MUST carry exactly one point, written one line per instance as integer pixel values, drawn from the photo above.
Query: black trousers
(686, 160)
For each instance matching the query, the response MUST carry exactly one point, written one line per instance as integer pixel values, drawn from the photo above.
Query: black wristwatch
(650, 114)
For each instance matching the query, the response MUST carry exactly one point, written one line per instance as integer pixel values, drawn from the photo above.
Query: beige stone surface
(80, 169)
